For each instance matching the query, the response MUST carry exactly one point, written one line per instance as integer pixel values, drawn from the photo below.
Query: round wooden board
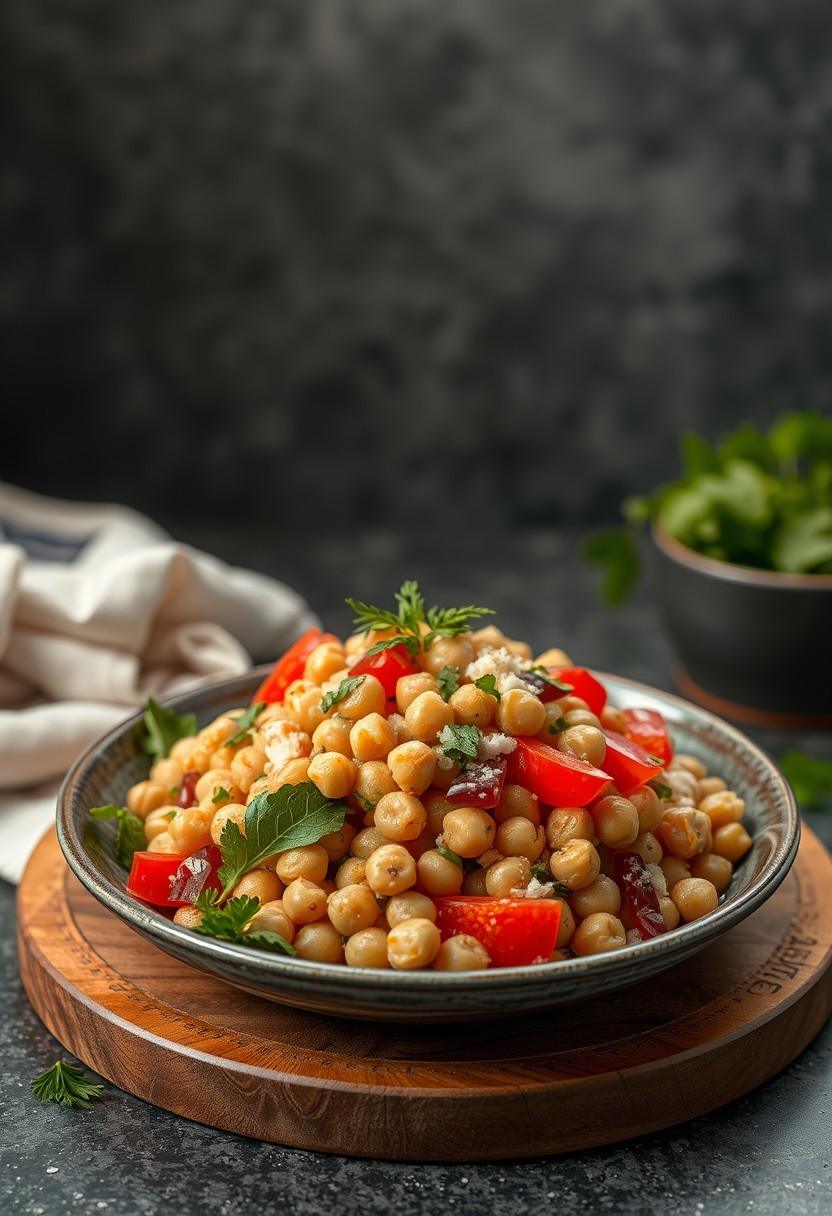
(658, 1053)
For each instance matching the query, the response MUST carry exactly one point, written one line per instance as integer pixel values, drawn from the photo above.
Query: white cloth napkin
(98, 609)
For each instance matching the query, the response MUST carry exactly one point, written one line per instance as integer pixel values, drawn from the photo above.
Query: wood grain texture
(656, 1054)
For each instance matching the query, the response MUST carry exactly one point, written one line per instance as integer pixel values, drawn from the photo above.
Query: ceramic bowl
(111, 766)
(752, 644)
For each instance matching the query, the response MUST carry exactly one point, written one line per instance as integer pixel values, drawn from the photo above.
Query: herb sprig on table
(415, 625)
(66, 1084)
(761, 499)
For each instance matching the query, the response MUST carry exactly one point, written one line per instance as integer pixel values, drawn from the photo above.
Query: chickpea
(674, 870)
(473, 706)
(366, 842)
(413, 766)
(271, 917)
(222, 757)
(510, 874)
(233, 811)
(294, 772)
(474, 882)
(716, 869)
(647, 847)
(372, 782)
(616, 821)
(304, 901)
(324, 661)
(731, 841)
(194, 756)
(217, 732)
(695, 898)
(303, 700)
(516, 801)
(413, 943)
(213, 782)
(569, 703)
(586, 742)
(520, 713)
(723, 807)
(333, 735)
(352, 908)
(276, 712)
(310, 861)
(684, 831)
(368, 698)
(553, 723)
(438, 875)
(247, 765)
(367, 948)
(613, 719)
(167, 773)
(157, 821)
(371, 738)
(684, 785)
(408, 688)
(648, 807)
(319, 943)
(259, 884)
(568, 823)
(191, 829)
(146, 796)
(400, 730)
(448, 652)
(708, 786)
(461, 953)
(489, 637)
(669, 911)
(437, 807)
(519, 837)
(332, 773)
(389, 870)
(599, 933)
(553, 657)
(447, 771)
(689, 764)
(426, 716)
(576, 865)
(580, 717)
(602, 895)
(468, 831)
(163, 843)
(566, 927)
(351, 870)
(188, 916)
(400, 816)
(407, 905)
(337, 844)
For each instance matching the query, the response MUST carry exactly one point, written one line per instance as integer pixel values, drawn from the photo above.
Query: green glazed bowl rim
(260, 968)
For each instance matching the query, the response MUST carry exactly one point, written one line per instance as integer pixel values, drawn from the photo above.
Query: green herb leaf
(488, 683)
(66, 1084)
(810, 778)
(399, 639)
(164, 726)
(411, 615)
(243, 724)
(559, 724)
(450, 622)
(543, 674)
(663, 791)
(130, 835)
(222, 795)
(615, 552)
(341, 692)
(229, 923)
(561, 889)
(411, 606)
(369, 618)
(460, 742)
(288, 818)
(450, 855)
(803, 543)
(541, 873)
(448, 682)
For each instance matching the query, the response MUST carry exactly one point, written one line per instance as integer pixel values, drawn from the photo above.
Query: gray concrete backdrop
(382, 260)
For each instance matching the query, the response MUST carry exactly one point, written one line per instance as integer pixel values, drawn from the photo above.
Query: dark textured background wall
(380, 258)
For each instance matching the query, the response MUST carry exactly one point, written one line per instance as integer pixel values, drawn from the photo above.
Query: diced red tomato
(628, 765)
(479, 784)
(289, 666)
(557, 778)
(388, 667)
(170, 880)
(584, 685)
(515, 932)
(639, 895)
(648, 729)
(187, 789)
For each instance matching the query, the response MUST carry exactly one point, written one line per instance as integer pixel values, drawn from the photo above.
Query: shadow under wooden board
(658, 1053)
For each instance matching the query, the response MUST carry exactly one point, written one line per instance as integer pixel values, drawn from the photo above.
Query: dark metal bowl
(110, 767)
(753, 644)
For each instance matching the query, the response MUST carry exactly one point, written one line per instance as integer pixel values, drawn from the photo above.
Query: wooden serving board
(659, 1053)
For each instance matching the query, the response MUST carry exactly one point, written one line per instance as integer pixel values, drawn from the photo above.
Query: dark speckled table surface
(766, 1154)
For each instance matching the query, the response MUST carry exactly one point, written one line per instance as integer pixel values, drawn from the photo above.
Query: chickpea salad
(426, 794)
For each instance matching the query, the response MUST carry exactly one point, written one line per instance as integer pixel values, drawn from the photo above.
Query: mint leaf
(616, 554)
(460, 742)
(341, 692)
(447, 682)
(164, 726)
(66, 1084)
(130, 837)
(811, 779)
(243, 724)
(288, 818)
(488, 683)
(804, 542)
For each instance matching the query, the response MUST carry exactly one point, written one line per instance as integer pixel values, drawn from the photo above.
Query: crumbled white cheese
(506, 669)
(684, 785)
(283, 741)
(489, 857)
(633, 937)
(442, 761)
(495, 745)
(535, 890)
(657, 878)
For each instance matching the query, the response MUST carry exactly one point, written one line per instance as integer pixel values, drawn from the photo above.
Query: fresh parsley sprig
(66, 1084)
(460, 742)
(447, 682)
(244, 724)
(410, 619)
(341, 692)
(488, 683)
(163, 727)
(130, 835)
(229, 923)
